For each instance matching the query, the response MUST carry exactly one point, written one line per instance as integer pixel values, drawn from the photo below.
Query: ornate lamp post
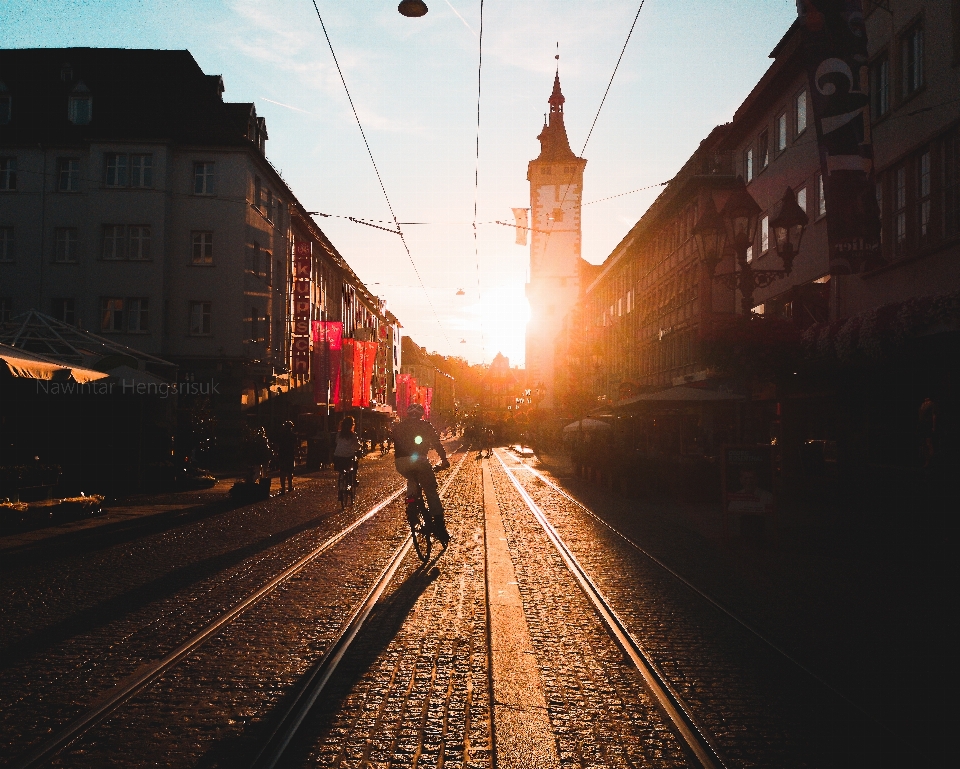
(788, 227)
(736, 227)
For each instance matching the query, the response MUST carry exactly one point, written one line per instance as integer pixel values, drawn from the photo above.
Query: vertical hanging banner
(405, 385)
(369, 360)
(300, 338)
(835, 51)
(427, 401)
(327, 349)
(522, 226)
(349, 385)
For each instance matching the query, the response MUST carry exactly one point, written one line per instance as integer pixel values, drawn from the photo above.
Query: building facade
(136, 203)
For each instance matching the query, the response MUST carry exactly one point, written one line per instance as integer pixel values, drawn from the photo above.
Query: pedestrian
(287, 444)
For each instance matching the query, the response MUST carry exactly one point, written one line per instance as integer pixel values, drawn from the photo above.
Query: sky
(687, 68)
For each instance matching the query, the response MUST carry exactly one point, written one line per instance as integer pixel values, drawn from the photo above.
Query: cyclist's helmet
(415, 411)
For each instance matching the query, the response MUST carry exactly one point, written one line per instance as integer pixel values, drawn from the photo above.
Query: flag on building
(327, 350)
(520, 217)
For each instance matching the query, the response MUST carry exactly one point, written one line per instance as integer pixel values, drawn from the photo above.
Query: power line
(476, 188)
(612, 76)
(383, 189)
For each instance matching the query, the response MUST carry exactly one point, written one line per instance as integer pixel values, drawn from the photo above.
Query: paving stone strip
(598, 707)
(524, 737)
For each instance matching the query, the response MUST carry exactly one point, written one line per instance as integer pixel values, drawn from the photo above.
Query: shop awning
(682, 394)
(587, 426)
(28, 365)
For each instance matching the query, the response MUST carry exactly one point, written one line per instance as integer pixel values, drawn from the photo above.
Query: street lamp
(740, 216)
(710, 233)
(412, 8)
(788, 227)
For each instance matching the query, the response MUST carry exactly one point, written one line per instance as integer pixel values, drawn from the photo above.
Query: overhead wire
(383, 188)
(476, 187)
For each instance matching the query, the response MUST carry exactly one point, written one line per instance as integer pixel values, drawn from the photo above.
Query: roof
(138, 95)
(37, 333)
(554, 145)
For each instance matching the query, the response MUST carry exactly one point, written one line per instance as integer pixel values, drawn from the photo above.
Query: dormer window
(80, 108)
(66, 73)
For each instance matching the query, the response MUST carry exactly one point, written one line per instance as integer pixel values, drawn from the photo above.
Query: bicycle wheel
(419, 530)
(342, 488)
(351, 485)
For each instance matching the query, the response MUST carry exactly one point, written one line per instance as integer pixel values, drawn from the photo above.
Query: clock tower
(556, 184)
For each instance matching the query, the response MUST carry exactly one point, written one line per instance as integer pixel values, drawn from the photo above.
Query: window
(199, 318)
(764, 234)
(900, 207)
(114, 241)
(141, 171)
(66, 244)
(782, 132)
(880, 86)
(269, 204)
(911, 52)
(64, 309)
(923, 194)
(203, 178)
(138, 315)
(802, 198)
(6, 109)
(202, 248)
(6, 309)
(267, 264)
(80, 108)
(821, 197)
(7, 244)
(116, 170)
(111, 314)
(801, 103)
(139, 246)
(8, 174)
(951, 184)
(764, 148)
(259, 326)
(748, 165)
(257, 192)
(558, 214)
(68, 175)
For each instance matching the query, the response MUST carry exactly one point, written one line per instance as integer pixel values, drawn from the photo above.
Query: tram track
(111, 700)
(693, 736)
(720, 607)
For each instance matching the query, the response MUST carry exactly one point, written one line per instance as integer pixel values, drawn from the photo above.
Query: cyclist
(347, 450)
(413, 437)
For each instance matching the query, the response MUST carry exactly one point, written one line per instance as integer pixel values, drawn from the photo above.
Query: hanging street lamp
(412, 8)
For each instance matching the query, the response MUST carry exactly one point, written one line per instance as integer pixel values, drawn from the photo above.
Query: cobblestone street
(446, 671)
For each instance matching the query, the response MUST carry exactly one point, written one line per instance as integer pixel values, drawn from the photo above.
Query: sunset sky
(414, 82)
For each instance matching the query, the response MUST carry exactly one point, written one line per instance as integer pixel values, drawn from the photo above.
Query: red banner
(327, 352)
(835, 49)
(368, 360)
(349, 390)
(427, 401)
(300, 338)
(406, 386)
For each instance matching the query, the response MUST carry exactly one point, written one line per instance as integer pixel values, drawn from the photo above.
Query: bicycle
(347, 485)
(418, 520)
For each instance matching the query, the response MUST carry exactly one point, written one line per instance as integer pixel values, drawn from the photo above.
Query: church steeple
(554, 144)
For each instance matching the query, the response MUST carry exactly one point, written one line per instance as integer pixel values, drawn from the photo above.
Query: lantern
(788, 227)
(412, 8)
(740, 216)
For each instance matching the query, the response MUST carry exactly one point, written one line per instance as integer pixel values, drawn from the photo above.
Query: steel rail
(705, 596)
(693, 736)
(123, 691)
(292, 718)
